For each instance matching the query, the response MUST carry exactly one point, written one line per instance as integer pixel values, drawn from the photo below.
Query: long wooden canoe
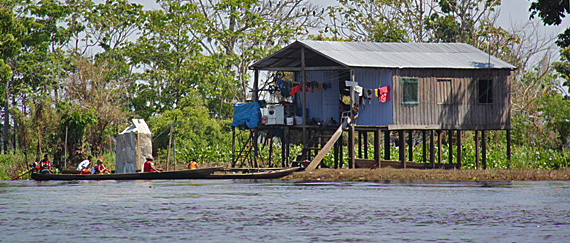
(167, 175)
(251, 173)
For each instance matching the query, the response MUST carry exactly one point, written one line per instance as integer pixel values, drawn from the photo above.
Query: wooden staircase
(319, 144)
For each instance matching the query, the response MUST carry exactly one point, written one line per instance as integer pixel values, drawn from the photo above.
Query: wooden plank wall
(453, 105)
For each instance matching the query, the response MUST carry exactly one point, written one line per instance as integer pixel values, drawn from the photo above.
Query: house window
(409, 91)
(485, 91)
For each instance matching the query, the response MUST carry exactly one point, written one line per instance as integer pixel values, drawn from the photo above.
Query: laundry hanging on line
(384, 94)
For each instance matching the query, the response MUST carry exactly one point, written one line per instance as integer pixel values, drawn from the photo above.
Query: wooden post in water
(402, 145)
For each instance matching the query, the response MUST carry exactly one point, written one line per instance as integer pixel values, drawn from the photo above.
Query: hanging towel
(384, 94)
(375, 92)
(295, 89)
(358, 90)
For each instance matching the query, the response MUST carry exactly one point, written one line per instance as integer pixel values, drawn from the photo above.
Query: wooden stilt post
(477, 166)
(508, 148)
(168, 151)
(269, 164)
(350, 148)
(360, 144)
(450, 145)
(439, 132)
(431, 150)
(458, 165)
(335, 151)
(304, 97)
(283, 144)
(424, 143)
(233, 146)
(411, 145)
(483, 150)
(352, 123)
(255, 147)
(387, 145)
(402, 145)
(340, 148)
(287, 149)
(377, 147)
(365, 138)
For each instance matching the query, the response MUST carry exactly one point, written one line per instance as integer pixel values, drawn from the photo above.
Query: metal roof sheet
(385, 55)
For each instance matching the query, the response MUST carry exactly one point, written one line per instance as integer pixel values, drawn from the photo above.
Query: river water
(283, 211)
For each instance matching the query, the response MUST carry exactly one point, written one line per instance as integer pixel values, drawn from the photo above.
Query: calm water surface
(283, 211)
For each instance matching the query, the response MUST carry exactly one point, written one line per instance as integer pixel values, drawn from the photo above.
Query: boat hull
(269, 174)
(167, 175)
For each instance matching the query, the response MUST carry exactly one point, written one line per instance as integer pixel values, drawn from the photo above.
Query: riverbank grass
(431, 174)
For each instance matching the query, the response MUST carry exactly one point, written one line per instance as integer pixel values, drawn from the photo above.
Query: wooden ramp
(325, 149)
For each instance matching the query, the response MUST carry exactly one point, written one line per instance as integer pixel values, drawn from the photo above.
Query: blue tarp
(248, 113)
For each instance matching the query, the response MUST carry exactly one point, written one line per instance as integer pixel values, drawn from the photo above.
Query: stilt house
(385, 88)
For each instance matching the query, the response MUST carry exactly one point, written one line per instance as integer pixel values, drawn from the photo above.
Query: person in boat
(99, 168)
(149, 165)
(83, 167)
(45, 165)
(193, 165)
(35, 167)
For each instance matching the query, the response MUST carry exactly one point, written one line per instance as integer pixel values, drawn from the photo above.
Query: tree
(240, 32)
(90, 91)
(169, 52)
(552, 12)
(415, 21)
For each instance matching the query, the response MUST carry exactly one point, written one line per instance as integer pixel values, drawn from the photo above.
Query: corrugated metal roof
(383, 55)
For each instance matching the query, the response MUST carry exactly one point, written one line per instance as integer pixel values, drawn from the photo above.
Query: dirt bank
(436, 174)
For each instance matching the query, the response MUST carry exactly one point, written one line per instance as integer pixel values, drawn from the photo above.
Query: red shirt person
(149, 165)
(45, 165)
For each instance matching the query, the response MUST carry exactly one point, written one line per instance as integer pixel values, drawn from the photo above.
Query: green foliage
(75, 120)
(196, 135)
(563, 67)
(556, 113)
(12, 165)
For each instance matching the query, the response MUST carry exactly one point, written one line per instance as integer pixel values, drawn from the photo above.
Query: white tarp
(133, 142)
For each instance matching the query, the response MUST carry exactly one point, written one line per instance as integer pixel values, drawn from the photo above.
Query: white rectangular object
(275, 115)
